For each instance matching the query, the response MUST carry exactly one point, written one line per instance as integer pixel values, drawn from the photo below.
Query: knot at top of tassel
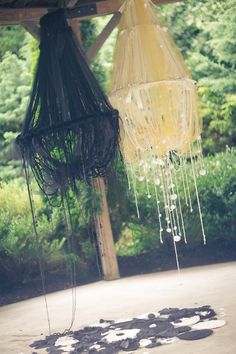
(54, 22)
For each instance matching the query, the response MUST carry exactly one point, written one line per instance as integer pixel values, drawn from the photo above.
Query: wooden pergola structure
(28, 13)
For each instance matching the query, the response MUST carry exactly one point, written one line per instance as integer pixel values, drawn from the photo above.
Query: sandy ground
(215, 285)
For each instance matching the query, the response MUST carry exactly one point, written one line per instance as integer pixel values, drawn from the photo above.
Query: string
(96, 241)
(72, 262)
(38, 243)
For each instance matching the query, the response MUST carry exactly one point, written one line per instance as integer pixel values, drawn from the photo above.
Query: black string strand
(39, 247)
(72, 260)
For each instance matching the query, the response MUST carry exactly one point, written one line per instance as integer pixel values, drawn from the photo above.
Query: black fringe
(70, 132)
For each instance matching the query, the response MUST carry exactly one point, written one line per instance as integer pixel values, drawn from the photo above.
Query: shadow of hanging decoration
(71, 132)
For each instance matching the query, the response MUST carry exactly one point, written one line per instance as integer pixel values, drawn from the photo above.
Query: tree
(15, 82)
(11, 39)
(205, 32)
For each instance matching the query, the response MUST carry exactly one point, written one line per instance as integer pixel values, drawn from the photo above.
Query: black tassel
(70, 132)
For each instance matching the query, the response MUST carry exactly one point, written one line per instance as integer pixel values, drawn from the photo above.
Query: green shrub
(217, 192)
(19, 248)
(218, 199)
(136, 238)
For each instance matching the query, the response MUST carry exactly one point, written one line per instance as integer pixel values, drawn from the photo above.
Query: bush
(218, 199)
(217, 191)
(19, 248)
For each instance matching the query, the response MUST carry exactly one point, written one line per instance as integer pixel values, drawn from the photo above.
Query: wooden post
(103, 228)
(105, 237)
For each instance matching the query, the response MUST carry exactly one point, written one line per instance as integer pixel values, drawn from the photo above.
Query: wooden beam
(32, 28)
(18, 15)
(102, 37)
(109, 6)
(75, 25)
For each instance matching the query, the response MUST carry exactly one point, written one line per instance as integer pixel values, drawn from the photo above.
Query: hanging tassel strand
(72, 262)
(39, 248)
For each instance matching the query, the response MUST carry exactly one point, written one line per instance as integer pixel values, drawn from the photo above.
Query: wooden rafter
(32, 28)
(102, 37)
(104, 7)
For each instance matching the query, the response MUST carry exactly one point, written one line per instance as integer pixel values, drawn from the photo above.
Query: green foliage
(106, 52)
(82, 210)
(14, 91)
(217, 191)
(219, 113)
(15, 80)
(88, 35)
(11, 39)
(14, 94)
(136, 238)
(34, 53)
(207, 39)
(19, 247)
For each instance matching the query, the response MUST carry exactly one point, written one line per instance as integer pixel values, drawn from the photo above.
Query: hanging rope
(38, 243)
(72, 260)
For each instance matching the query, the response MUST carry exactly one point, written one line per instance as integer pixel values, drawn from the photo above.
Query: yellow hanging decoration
(157, 101)
(151, 86)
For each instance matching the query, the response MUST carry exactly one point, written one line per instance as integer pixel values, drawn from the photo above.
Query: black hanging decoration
(70, 132)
